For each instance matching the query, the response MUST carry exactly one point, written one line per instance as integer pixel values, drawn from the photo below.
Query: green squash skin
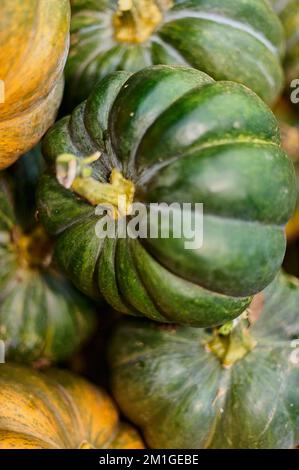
(180, 137)
(238, 40)
(288, 12)
(43, 319)
(27, 172)
(168, 383)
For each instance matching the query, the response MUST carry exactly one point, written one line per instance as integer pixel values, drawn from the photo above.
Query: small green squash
(288, 11)
(170, 134)
(190, 388)
(239, 40)
(42, 317)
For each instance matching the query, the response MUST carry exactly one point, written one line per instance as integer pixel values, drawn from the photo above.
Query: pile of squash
(125, 342)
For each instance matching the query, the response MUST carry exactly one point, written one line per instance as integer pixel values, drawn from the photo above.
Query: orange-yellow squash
(58, 410)
(34, 39)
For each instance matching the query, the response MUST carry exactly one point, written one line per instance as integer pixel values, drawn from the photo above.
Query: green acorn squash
(170, 134)
(42, 317)
(58, 410)
(288, 11)
(239, 40)
(228, 388)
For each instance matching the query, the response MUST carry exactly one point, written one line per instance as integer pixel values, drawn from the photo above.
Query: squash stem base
(34, 249)
(233, 343)
(135, 20)
(76, 174)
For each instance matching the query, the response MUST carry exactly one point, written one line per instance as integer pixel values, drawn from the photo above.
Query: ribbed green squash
(239, 40)
(178, 136)
(288, 11)
(42, 317)
(193, 388)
